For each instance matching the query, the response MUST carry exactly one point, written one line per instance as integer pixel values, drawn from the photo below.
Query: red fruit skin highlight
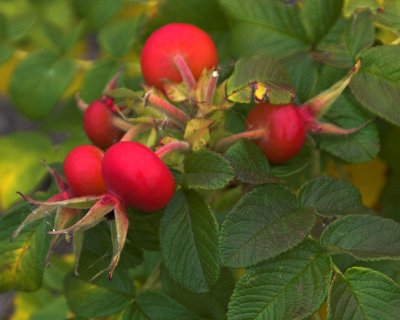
(189, 41)
(98, 125)
(285, 130)
(82, 169)
(135, 175)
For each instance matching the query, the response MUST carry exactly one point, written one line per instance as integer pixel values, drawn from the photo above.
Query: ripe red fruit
(82, 169)
(98, 125)
(135, 175)
(176, 39)
(285, 130)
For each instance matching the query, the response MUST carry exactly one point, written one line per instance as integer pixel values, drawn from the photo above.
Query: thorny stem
(336, 269)
(171, 147)
(251, 135)
(212, 85)
(165, 106)
(184, 70)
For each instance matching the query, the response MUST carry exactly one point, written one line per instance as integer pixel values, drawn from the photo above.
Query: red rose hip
(285, 130)
(137, 176)
(82, 169)
(176, 41)
(98, 125)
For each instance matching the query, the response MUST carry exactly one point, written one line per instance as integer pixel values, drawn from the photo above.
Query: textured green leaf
(207, 170)
(266, 222)
(158, 306)
(22, 261)
(303, 76)
(377, 84)
(118, 38)
(361, 34)
(360, 146)
(365, 237)
(97, 78)
(100, 298)
(291, 286)
(39, 81)
(189, 242)
(265, 26)
(263, 69)
(208, 305)
(331, 197)
(144, 230)
(363, 294)
(318, 17)
(25, 174)
(249, 163)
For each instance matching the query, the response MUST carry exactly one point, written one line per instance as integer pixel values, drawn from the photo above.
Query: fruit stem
(121, 124)
(172, 147)
(165, 106)
(134, 131)
(212, 85)
(251, 135)
(184, 70)
(321, 103)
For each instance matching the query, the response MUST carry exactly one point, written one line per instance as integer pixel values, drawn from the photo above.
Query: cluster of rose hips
(178, 62)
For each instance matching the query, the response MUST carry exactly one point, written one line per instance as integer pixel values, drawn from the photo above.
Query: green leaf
(207, 170)
(318, 17)
(22, 261)
(39, 81)
(266, 222)
(331, 197)
(206, 14)
(263, 69)
(98, 12)
(118, 38)
(303, 76)
(96, 254)
(19, 25)
(265, 26)
(25, 174)
(100, 298)
(365, 237)
(157, 306)
(97, 78)
(209, 305)
(360, 146)
(363, 294)
(377, 84)
(189, 242)
(249, 163)
(361, 33)
(144, 230)
(5, 53)
(390, 15)
(291, 286)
